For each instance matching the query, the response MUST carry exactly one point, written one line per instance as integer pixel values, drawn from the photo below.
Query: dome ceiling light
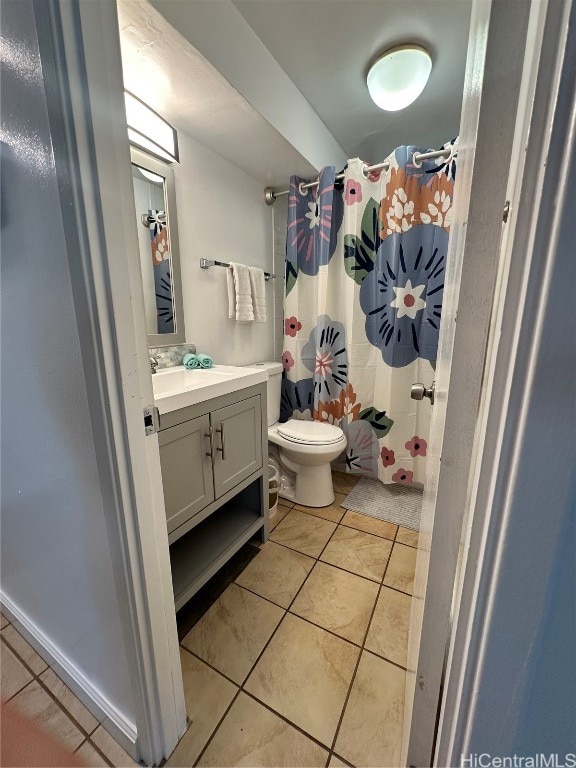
(399, 76)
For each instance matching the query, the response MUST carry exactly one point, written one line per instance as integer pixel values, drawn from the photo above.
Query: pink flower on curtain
(287, 361)
(402, 476)
(291, 326)
(353, 193)
(387, 457)
(417, 446)
(374, 175)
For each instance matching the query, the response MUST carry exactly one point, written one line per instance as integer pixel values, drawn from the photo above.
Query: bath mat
(398, 504)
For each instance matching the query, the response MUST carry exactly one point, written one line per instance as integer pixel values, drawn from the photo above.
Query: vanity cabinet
(187, 474)
(213, 458)
(237, 433)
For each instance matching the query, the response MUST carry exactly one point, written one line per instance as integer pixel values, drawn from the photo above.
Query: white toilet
(303, 450)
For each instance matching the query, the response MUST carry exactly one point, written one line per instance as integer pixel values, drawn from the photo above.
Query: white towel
(258, 285)
(242, 304)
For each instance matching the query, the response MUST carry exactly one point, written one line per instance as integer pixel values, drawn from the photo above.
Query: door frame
(510, 48)
(494, 597)
(88, 124)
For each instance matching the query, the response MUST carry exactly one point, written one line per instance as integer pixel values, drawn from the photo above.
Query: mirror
(155, 200)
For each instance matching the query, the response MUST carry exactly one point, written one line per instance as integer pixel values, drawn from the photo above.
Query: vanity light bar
(207, 263)
(149, 131)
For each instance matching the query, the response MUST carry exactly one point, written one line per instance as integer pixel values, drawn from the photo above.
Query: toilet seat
(310, 432)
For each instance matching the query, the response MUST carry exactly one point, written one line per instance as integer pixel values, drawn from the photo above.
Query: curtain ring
(302, 191)
(415, 163)
(385, 168)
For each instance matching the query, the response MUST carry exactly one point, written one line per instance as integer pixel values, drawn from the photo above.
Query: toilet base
(310, 486)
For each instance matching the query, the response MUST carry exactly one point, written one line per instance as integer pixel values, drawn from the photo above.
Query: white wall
(56, 564)
(221, 215)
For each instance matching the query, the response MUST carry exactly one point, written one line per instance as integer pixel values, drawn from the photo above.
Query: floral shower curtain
(365, 266)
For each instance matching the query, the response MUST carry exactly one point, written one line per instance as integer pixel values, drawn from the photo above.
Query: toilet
(302, 450)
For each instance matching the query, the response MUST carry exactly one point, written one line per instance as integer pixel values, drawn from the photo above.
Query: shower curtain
(365, 266)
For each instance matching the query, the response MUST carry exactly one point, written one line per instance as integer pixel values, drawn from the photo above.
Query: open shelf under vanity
(197, 555)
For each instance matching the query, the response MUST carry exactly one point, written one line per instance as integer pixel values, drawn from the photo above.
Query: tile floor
(301, 661)
(35, 690)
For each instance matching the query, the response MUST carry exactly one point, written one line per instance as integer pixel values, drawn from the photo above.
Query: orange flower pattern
(344, 407)
(406, 203)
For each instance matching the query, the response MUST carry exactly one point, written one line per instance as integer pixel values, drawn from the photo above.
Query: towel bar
(207, 263)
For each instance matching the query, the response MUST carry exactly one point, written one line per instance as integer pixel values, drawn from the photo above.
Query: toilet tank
(274, 384)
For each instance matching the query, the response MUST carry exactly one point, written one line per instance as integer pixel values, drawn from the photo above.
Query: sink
(178, 387)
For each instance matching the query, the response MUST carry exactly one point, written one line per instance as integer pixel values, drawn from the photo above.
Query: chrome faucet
(153, 363)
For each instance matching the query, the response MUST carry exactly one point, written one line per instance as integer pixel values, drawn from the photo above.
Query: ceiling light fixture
(399, 76)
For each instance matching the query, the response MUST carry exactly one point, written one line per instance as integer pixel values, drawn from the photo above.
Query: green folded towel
(190, 361)
(205, 361)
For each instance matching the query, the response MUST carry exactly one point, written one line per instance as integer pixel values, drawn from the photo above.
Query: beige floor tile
(343, 482)
(401, 569)
(14, 674)
(338, 601)
(388, 634)
(90, 756)
(207, 696)
(375, 740)
(39, 706)
(407, 536)
(69, 701)
(233, 632)
(251, 735)
(276, 573)
(3, 621)
(359, 552)
(369, 524)
(335, 762)
(281, 513)
(304, 674)
(303, 532)
(23, 648)
(334, 512)
(111, 749)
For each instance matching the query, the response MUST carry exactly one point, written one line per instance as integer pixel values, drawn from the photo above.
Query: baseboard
(121, 729)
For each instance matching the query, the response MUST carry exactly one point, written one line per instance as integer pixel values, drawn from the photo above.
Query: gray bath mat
(398, 504)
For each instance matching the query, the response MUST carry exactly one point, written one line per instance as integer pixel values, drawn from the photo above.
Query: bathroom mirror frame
(149, 163)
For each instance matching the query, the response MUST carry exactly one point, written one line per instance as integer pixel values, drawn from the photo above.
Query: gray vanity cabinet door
(237, 430)
(186, 470)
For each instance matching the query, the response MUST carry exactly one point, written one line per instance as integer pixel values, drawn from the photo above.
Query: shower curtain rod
(270, 195)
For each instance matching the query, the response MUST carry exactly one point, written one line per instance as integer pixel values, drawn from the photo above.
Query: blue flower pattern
(314, 219)
(326, 357)
(402, 296)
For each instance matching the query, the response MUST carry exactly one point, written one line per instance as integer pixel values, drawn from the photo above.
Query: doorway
(488, 109)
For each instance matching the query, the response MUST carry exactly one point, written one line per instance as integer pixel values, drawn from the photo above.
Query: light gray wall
(55, 556)
(221, 215)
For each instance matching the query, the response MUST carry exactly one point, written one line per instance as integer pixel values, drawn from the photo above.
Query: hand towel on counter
(241, 306)
(190, 361)
(205, 361)
(258, 286)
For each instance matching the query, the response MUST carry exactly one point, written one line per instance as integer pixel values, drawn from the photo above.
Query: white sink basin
(178, 387)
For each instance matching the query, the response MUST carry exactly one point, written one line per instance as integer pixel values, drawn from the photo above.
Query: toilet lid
(310, 432)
